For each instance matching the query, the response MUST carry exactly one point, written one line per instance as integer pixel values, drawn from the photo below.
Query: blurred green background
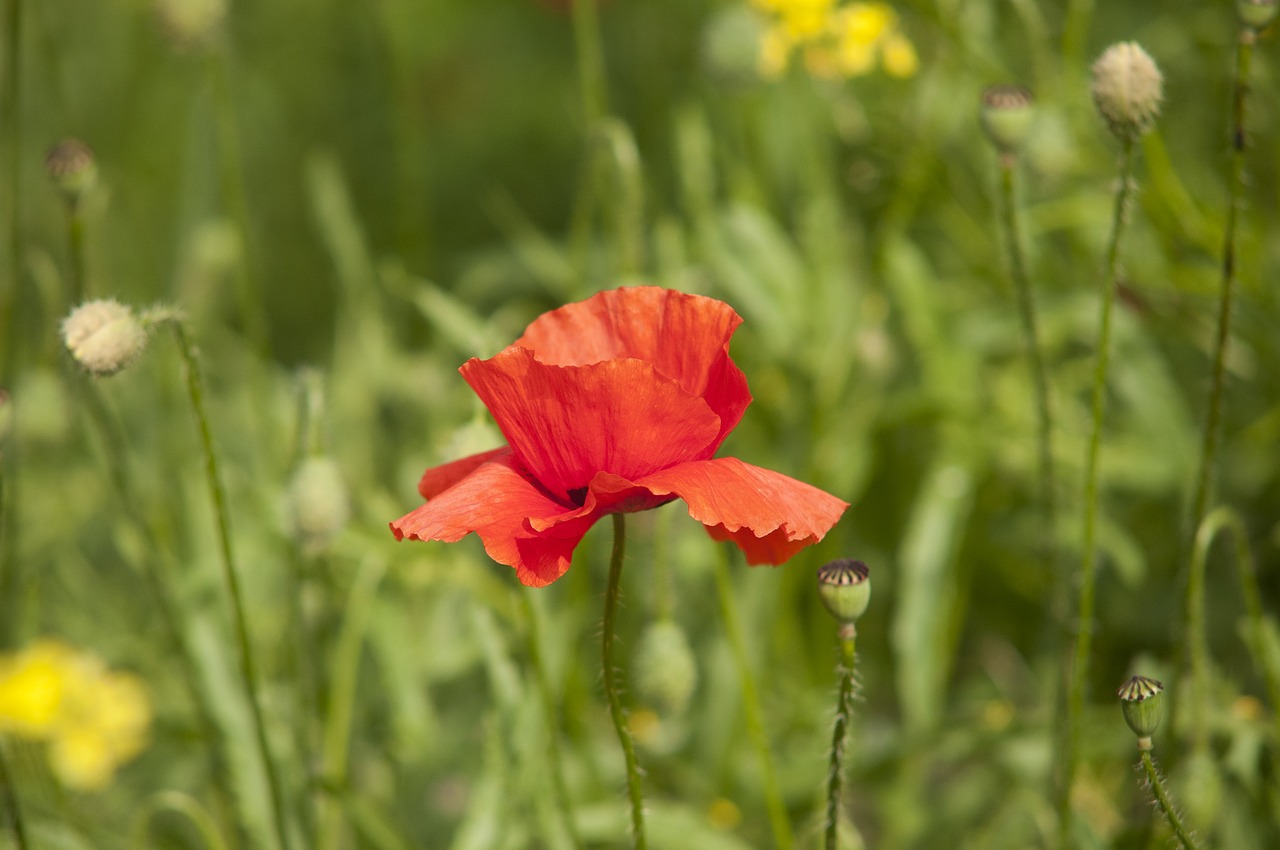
(350, 199)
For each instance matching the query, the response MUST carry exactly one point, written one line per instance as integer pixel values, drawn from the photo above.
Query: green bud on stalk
(845, 588)
(1142, 701)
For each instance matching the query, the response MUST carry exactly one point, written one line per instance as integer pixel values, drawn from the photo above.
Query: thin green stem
(1031, 339)
(248, 668)
(1156, 782)
(778, 819)
(542, 681)
(612, 688)
(1089, 554)
(1235, 189)
(9, 800)
(10, 144)
(844, 718)
(75, 242)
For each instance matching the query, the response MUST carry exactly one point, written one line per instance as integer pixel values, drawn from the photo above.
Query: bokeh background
(349, 200)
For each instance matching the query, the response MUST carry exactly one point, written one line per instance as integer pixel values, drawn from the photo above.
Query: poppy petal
(768, 515)
(566, 423)
(437, 479)
(685, 337)
(494, 501)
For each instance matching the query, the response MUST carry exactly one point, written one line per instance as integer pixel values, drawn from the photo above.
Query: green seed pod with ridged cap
(1257, 14)
(1006, 116)
(1142, 701)
(845, 588)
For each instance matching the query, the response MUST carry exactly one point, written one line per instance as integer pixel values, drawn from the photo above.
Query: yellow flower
(94, 720)
(900, 58)
(32, 684)
(846, 40)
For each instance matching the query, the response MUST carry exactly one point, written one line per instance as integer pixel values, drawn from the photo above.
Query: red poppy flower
(612, 405)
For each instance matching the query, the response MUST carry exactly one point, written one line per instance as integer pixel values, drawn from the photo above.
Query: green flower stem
(559, 787)
(10, 142)
(844, 718)
(1235, 188)
(778, 819)
(75, 240)
(612, 688)
(1156, 781)
(1089, 554)
(1218, 520)
(1031, 336)
(9, 802)
(195, 388)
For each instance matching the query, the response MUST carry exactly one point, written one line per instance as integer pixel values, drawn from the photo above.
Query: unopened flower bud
(845, 588)
(1257, 14)
(317, 502)
(1006, 116)
(1127, 89)
(1142, 701)
(71, 167)
(103, 336)
(666, 672)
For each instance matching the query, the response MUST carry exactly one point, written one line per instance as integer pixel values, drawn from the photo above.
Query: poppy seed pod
(103, 336)
(1006, 116)
(1142, 701)
(190, 22)
(845, 588)
(71, 166)
(1127, 89)
(665, 672)
(1257, 14)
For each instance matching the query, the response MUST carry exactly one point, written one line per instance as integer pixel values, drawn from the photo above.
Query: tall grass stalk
(186, 806)
(1235, 189)
(345, 668)
(1011, 222)
(248, 668)
(9, 800)
(559, 788)
(844, 718)
(1197, 647)
(1088, 553)
(10, 203)
(612, 688)
(778, 818)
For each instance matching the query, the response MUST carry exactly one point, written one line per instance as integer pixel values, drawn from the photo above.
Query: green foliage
(418, 184)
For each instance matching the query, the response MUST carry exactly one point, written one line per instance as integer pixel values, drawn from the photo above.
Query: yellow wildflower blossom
(900, 58)
(834, 40)
(93, 719)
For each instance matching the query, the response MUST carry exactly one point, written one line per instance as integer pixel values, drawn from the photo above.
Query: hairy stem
(1156, 782)
(1088, 552)
(844, 717)
(612, 688)
(1235, 188)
